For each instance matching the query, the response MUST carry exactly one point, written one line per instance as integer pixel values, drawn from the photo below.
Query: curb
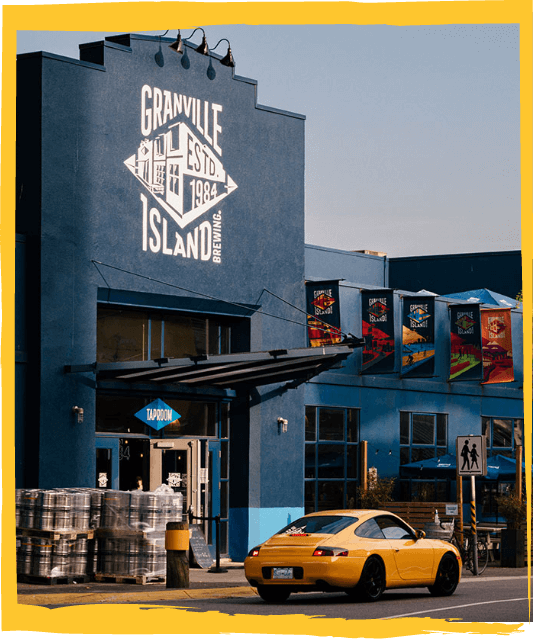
(144, 596)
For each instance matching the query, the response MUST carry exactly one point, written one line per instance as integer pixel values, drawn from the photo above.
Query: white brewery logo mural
(178, 163)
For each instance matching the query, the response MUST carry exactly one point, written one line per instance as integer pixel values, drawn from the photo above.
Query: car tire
(372, 582)
(273, 594)
(447, 576)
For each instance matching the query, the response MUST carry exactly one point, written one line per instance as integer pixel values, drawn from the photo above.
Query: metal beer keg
(41, 557)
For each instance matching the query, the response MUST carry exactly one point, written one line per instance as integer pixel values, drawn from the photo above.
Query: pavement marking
(489, 578)
(459, 606)
(144, 596)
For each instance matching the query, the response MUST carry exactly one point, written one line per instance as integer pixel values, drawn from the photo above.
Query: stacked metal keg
(140, 552)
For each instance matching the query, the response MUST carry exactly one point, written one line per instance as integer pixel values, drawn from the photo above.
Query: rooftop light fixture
(203, 48)
(227, 60)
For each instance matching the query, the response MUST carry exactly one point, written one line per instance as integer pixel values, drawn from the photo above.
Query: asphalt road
(480, 599)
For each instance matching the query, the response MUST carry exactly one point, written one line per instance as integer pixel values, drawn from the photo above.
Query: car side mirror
(420, 534)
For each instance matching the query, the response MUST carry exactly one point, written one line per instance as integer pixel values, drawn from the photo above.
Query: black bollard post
(217, 568)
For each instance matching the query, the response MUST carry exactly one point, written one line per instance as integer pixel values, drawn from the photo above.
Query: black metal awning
(227, 371)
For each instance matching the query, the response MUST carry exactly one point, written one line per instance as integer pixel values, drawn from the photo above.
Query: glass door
(107, 463)
(175, 463)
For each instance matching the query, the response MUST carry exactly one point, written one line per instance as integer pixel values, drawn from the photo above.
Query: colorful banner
(497, 346)
(378, 331)
(323, 304)
(418, 336)
(465, 338)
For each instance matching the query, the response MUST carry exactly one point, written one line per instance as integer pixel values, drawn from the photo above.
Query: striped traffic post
(473, 523)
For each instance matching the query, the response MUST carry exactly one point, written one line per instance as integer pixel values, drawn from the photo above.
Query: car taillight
(330, 551)
(254, 552)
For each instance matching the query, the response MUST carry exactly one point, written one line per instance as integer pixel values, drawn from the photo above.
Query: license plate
(282, 573)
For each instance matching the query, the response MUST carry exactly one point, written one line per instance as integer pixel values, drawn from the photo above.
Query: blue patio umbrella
(485, 296)
(502, 468)
(440, 467)
(499, 468)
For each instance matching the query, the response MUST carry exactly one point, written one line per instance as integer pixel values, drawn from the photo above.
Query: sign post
(471, 455)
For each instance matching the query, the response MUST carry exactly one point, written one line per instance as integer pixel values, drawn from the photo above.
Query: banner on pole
(418, 336)
(497, 346)
(378, 331)
(465, 342)
(323, 313)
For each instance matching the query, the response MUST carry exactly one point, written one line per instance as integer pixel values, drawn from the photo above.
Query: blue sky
(412, 133)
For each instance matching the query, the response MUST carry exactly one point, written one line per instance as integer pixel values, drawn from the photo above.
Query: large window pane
(185, 337)
(197, 419)
(352, 457)
(310, 461)
(219, 338)
(423, 429)
(404, 427)
(310, 423)
(330, 495)
(155, 337)
(502, 433)
(310, 506)
(122, 335)
(331, 424)
(331, 461)
(224, 454)
(352, 425)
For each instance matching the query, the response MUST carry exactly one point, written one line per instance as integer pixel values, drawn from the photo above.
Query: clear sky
(412, 133)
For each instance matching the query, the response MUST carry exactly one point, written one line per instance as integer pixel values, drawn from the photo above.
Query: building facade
(161, 326)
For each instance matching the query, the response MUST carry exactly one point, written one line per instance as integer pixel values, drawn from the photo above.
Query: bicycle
(466, 550)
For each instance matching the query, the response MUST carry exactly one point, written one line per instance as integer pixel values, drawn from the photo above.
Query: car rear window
(319, 524)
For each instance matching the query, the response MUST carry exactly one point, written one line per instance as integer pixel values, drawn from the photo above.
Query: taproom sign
(157, 414)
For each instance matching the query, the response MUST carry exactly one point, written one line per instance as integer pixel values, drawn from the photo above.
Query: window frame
(317, 480)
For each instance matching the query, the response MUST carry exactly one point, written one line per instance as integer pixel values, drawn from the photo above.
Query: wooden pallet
(68, 534)
(122, 579)
(51, 580)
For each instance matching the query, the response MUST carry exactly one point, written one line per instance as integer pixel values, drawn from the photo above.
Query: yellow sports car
(360, 552)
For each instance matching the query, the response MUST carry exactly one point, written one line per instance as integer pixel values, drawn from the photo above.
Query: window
(394, 529)
(319, 524)
(116, 414)
(128, 335)
(503, 435)
(422, 436)
(331, 458)
(369, 529)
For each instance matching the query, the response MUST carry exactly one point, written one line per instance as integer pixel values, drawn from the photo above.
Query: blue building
(161, 325)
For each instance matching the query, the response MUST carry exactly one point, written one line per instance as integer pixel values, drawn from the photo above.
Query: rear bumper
(321, 573)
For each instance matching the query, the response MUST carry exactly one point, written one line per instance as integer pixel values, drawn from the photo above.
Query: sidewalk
(202, 584)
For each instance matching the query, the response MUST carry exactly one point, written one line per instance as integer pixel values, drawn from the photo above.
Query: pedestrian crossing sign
(471, 454)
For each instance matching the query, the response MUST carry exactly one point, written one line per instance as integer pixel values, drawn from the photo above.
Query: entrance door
(107, 462)
(183, 465)
(122, 462)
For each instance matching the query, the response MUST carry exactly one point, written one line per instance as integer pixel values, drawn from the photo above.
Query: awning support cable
(205, 295)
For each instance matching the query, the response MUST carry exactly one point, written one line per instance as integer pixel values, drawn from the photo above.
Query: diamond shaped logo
(465, 322)
(323, 301)
(157, 414)
(183, 174)
(496, 326)
(378, 309)
(419, 315)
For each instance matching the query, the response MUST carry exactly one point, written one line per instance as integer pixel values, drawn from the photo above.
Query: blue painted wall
(85, 119)
(323, 263)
